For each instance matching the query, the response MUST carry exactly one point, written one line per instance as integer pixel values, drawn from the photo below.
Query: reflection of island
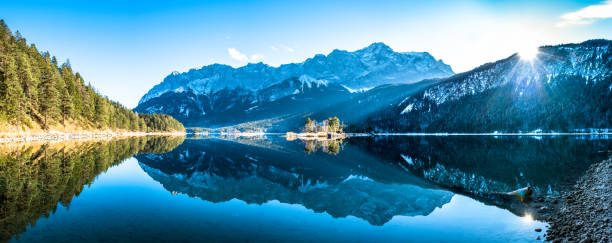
(330, 146)
(35, 177)
(217, 171)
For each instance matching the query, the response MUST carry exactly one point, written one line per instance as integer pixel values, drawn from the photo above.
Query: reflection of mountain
(480, 165)
(34, 178)
(357, 184)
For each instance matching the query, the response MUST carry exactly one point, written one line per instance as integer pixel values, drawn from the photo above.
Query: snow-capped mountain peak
(368, 67)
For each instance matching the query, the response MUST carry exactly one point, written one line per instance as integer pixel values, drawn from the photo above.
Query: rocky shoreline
(583, 214)
(60, 136)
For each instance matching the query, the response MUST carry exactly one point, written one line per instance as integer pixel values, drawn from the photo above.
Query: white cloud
(256, 57)
(587, 15)
(282, 47)
(286, 48)
(239, 56)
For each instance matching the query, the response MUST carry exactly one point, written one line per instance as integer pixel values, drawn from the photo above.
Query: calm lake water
(364, 189)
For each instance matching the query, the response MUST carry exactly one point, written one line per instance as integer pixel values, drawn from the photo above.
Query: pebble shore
(585, 213)
(58, 136)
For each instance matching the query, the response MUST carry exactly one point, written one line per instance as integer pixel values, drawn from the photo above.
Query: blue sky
(124, 48)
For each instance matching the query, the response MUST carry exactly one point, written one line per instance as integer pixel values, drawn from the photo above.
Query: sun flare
(528, 54)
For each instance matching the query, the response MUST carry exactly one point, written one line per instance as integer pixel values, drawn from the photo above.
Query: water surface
(387, 188)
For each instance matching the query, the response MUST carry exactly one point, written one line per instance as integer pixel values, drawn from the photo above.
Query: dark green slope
(36, 92)
(566, 88)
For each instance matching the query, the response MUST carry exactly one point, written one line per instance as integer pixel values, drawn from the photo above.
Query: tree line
(567, 104)
(35, 91)
(331, 125)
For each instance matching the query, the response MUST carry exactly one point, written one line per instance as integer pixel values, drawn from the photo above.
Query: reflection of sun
(528, 218)
(528, 54)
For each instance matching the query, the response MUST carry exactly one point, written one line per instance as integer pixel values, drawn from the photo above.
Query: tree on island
(309, 125)
(331, 125)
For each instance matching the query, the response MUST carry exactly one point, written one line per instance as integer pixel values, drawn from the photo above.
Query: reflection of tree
(330, 146)
(310, 146)
(161, 144)
(485, 164)
(34, 178)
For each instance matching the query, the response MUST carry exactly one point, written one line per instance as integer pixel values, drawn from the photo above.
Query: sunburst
(528, 54)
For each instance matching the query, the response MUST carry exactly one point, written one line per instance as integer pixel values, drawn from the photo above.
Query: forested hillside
(565, 88)
(37, 93)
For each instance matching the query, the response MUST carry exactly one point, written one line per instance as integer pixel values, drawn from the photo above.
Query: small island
(330, 129)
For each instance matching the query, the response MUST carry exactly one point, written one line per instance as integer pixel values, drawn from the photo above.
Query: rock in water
(522, 194)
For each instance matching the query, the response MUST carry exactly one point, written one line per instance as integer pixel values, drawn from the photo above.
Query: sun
(528, 54)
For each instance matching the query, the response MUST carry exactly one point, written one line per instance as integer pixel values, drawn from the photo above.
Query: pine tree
(48, 97)
(77, 96)
(13, 94)
(54, 61)
(334, 124)
(5, 32)
(28, 83)
(309, 125)
(21, 42)
(101, 112)
(89, 103)
(70, 93)
(66, 106)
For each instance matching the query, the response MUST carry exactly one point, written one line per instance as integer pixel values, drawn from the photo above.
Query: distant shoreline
(250, 134)
(489, 134)
(61, 136)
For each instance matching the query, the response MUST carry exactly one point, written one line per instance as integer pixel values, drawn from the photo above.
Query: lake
(266, 188)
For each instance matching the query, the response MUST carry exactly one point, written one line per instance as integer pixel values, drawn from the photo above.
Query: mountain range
(219, 95)
(566, 88)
